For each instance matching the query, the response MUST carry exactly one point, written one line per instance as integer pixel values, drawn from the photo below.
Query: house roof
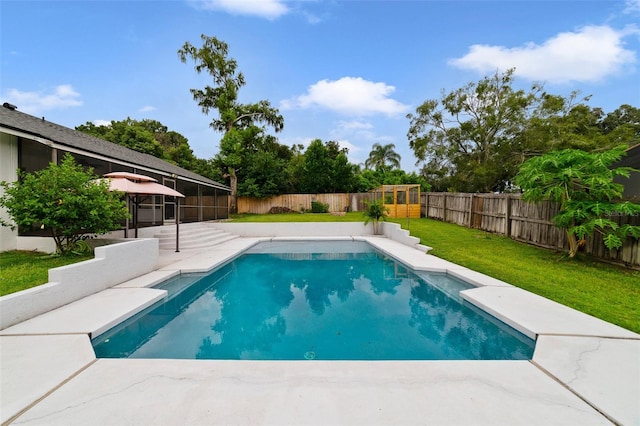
(39, 128)
(632, 159)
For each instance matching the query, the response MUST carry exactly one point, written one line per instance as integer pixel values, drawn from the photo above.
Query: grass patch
(609, 292)
(20, 270)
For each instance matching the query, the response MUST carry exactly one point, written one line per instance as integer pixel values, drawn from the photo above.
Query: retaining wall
(392, 231)
(112, 265)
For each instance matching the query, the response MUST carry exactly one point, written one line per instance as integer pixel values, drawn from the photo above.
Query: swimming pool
(314, 300)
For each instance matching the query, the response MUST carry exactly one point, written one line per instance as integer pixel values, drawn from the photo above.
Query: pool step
(193, 236)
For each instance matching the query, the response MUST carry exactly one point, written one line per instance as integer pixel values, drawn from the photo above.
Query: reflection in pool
(352, 303)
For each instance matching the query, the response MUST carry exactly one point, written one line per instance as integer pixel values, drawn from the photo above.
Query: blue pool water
(325, 301)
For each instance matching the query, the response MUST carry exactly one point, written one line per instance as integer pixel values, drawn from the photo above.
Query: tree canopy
(325, 168)
(260, 162)
(153, 138)
(130, 133)
(475, 138)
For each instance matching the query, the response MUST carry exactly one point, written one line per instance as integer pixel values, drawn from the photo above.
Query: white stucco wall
(8, 173)
(42, 244)
(112, 265)
(298, 229)
(392, 231)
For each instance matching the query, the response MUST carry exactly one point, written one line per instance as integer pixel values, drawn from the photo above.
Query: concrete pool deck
(584, 371)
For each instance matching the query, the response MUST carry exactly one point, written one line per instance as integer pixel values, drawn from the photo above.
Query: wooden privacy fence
(504, 214)
(299, 202)
(508, 214)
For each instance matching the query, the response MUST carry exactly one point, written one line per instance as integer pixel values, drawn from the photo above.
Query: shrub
(583, 184)
(280, 210)
(319, 207)
(65, 200)
(375, 212)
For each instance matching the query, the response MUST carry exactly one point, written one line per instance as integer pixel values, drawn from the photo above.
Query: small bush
(280, 210)
(375, 212)
(318, 207)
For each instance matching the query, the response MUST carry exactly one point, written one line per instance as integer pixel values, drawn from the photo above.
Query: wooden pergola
(401, 200)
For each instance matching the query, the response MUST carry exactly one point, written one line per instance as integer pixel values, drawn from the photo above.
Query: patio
(584, 370)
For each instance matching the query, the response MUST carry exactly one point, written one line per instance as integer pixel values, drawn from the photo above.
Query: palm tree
(381, 155)
(375, 212)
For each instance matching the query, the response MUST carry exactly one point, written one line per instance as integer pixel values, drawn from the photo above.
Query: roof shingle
(38, 127)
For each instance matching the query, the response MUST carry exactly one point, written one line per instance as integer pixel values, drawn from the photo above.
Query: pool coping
(584, 362)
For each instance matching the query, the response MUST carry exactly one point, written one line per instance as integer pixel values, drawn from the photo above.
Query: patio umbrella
(131, 176)
(134, 185)
(141, 188)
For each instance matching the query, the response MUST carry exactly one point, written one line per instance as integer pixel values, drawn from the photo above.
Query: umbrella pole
(126, 223)
(177, 224)
(135, 217)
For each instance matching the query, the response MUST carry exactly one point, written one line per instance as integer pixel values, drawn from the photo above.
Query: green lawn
(20, 270)
(605, 291)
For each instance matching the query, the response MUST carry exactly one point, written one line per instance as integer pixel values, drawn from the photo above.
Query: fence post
(508, 214)
(444, 207)
(471, 211)
(426, 204)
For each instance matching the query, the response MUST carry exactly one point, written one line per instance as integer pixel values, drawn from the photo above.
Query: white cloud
(147, 108)
(344, 143)
(349, 96)
(62, 96)
(268, 9)
(314, 19)
(300, 140)
(358, 129)
(106, 123)
(356, 125)
(589, 54)
(358, 136)
(632, 6)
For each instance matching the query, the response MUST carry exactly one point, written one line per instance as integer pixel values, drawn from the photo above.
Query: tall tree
(317, 168)
(326, 169)
(382, 157)
(561, 123)
(258, 159)
(222, 97)
(472, 138)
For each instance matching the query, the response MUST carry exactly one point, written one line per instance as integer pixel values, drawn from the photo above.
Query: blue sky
(347, 71)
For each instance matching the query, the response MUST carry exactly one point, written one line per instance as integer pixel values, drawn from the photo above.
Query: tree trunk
(58, 240)
(233, 182)
(573, 244)
(376, 227)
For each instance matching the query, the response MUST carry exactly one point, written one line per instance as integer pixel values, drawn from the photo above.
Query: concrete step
(199, 245)
(187, 233)
(204, 239)
(195, 236)
(187, 227)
